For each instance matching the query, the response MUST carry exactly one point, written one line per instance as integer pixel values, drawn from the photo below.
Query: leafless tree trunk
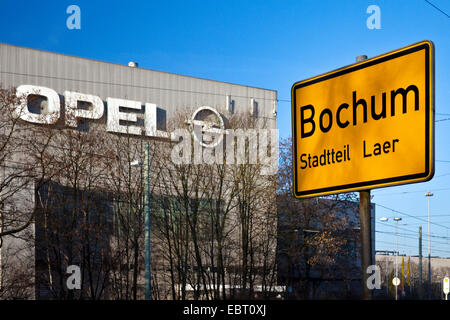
(72, 210)
(315, 234)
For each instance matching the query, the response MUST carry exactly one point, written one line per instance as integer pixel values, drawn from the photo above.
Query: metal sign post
(396, 283)
(446, 286)
(365, 231)
(366, 240)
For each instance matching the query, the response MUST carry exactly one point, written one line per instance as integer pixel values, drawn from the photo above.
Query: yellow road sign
(367, 125)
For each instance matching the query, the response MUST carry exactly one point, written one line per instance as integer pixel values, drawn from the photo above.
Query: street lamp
(428, 195)
(137, 163)
(396, 219)
(384, 219)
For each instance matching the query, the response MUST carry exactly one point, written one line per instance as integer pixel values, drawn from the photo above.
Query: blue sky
(268, 44)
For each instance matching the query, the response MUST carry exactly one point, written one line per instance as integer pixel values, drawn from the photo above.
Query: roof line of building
(139, 68)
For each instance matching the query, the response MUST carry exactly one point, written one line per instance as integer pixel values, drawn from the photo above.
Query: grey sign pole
(366, 240)
(365, 230)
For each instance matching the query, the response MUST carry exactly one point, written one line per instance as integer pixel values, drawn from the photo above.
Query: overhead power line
(408, 192)
(411, 232)
(414, 236)
(437, 215)
(393, 226)
(400, 244)
(411, 216)
(440, 120)
(409, 246)
(437, 8)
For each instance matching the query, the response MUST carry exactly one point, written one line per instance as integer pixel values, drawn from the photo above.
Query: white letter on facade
(114, 116)
(151, 122)
(53, 106)
(72, 111)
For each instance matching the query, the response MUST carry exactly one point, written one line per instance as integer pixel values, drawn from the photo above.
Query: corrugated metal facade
(169, 91)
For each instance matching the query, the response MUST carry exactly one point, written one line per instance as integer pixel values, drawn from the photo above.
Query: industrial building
(319, 248)
(99, 110)
(87, 131)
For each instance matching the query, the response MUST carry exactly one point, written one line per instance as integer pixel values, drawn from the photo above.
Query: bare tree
(216, 223)
(125, 180)
(73, 215)
(17, 171)
(20, 176)
(317, 237)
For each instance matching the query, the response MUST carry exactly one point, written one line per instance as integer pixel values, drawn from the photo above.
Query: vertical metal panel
(169, 91)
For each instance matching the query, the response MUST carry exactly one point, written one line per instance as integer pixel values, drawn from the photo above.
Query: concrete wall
(440, 267)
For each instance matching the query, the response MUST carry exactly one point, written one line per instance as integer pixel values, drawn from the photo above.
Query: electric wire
(411, 216)
(437, 8)
(413, 231)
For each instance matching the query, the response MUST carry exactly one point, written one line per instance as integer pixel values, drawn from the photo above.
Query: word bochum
(326, 120)
(327, 113)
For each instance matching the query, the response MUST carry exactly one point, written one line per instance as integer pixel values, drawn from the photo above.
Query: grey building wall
(440, 267)
(345, 280)
(171, 92)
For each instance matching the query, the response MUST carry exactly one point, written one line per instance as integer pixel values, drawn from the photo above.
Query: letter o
(338, 116)
(53, 104)
(330, 120)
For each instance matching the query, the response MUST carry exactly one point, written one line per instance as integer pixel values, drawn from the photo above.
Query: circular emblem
(212, 126)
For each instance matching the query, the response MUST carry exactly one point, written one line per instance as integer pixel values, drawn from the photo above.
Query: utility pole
(147, 255)
(387, 277)
(420, 262)
(429, 194)
(148, 274)
(365, 230)
(384, 219)
(396, 219)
